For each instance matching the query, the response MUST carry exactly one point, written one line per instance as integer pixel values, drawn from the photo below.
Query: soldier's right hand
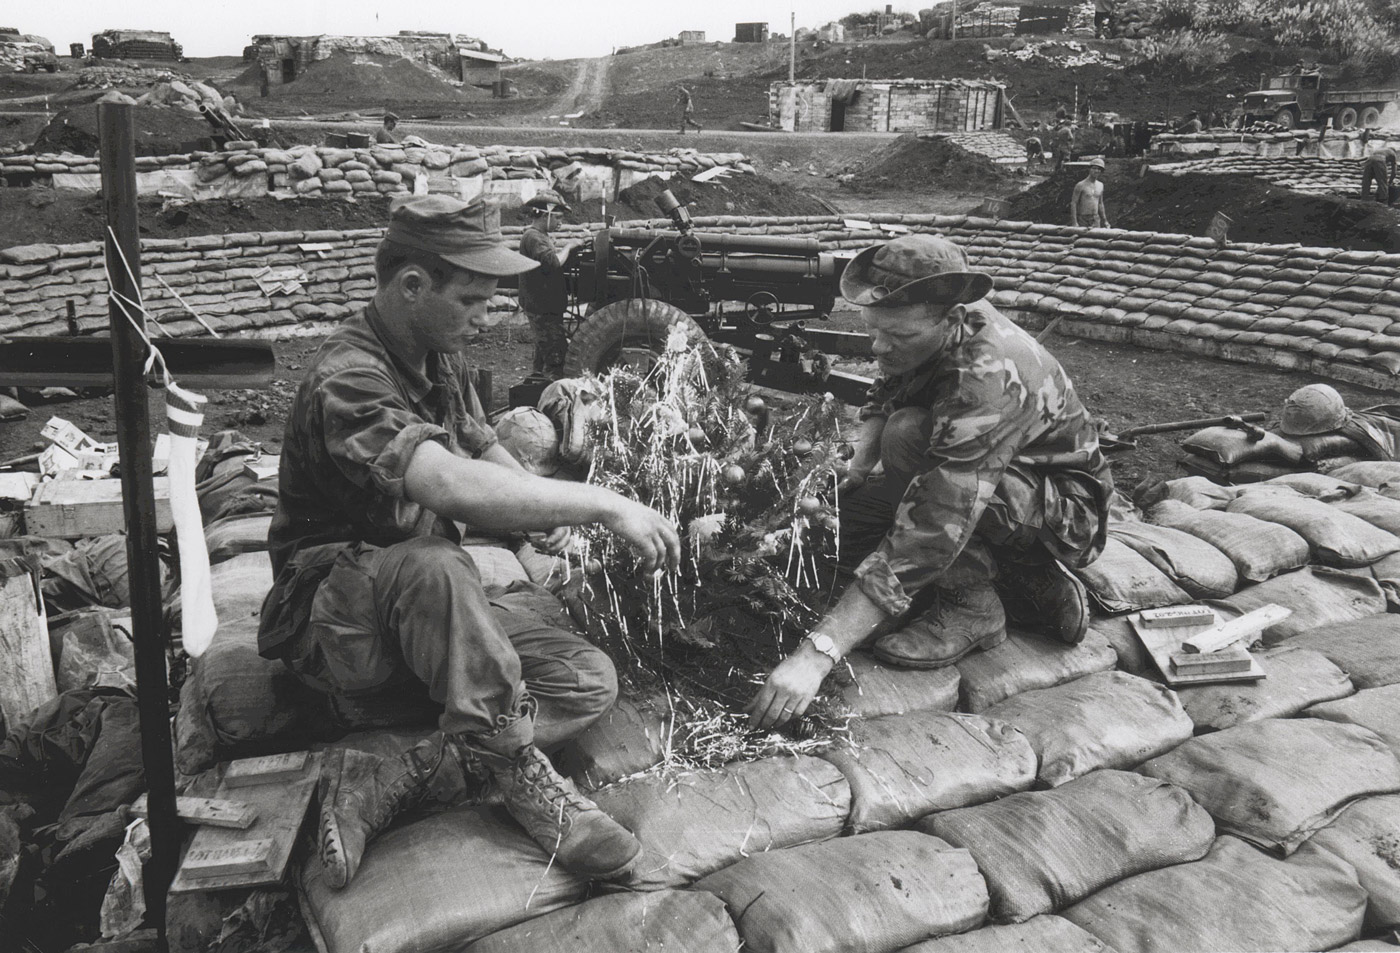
(648, 532)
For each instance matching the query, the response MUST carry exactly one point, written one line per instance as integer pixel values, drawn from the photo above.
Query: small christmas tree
(751, 488)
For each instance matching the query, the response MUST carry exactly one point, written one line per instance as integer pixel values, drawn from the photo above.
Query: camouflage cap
(545, 199)
(465, 234)
(912, 269)
(1316, 408)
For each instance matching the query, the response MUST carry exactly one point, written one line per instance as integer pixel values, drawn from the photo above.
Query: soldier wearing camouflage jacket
(993, 481)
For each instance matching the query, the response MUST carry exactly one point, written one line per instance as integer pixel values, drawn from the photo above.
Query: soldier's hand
(648, 532)
(853, 480)
(790, 688)
(555, 540)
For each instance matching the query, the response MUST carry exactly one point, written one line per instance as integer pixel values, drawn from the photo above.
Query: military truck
(1304, 97)
(136, 45)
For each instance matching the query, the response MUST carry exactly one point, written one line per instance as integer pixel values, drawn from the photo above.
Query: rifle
(1127, 439)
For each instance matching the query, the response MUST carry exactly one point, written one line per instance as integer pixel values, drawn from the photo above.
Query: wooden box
(75, 508)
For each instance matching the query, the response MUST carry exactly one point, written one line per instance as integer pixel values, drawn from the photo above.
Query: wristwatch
(823, 644)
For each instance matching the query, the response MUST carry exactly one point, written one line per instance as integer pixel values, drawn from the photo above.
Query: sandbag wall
(1346, 144)
(997, 146)
(323, 170)
(1332, 312)
(1307, 174)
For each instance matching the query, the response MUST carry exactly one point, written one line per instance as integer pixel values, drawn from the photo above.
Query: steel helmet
(1316, 408)
(529, 437)
(547, 199)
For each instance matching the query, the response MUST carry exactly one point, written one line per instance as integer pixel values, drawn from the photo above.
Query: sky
(532, 29)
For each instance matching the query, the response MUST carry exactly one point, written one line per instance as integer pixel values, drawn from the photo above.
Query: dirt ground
(1260, 212)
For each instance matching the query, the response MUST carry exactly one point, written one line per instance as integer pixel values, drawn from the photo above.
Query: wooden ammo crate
(73, 508)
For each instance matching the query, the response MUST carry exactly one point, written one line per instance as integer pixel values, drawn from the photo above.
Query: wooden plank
(265, 770)
(73, 508)
(1161, 644)
(280, 805)
(1169, 616)
(1228, 633)
(212, 812)
(26, 664)
(1232, 659)
(244, 857)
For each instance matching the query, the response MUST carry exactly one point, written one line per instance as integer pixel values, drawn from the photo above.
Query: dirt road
(587, 91)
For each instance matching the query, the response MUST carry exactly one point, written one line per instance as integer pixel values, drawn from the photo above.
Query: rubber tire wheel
(633, 322)
(1370, 117)
(1346, 119)
(1285, 119)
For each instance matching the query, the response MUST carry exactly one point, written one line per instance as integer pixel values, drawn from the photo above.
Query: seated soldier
(1318, 409)
(373, 592)
(992, 474)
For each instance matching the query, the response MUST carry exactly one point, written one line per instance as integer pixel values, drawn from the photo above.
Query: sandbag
(868, 688)
(1293, 680)
(1386, 572)
(1275, 782)
(1368, 649)
(1380, 511)
(870, 893)
(1258, 549)
(235, 535)
(1190, 562)
(1043, 850)
(693, 824)
(1227, 445)
(1368, 946)
(1375, 708)
(1120, 580)
(629, 738)
(1374, 473)
(437, 884)
(1322, 486)
(1040, 935)
(902, 767)
(1366, 834)
(1199, 493)
(1318, 596)
(1236, 898)
(1336, 538)
(655, 921)
(1133, 657)
(1025, 662)
(498, 566)
(1103, 720)
(1234, 474)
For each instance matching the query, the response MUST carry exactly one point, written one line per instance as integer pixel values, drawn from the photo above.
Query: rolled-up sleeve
(976, 432)
(370, 432)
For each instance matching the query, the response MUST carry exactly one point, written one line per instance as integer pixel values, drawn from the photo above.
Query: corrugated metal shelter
(896, 105)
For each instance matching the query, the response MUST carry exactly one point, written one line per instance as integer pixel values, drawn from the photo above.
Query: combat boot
(567, 825)
(961, 621)
(360, 793)
(1045, 598)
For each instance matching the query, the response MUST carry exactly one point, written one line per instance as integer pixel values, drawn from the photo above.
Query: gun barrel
(711, 241)
(740, 263)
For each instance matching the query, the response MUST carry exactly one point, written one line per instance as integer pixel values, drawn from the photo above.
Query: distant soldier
(542, 293)
(1380, 169)
(1064, 144)
(686, 103)
(1086, 205)
(1035, 151)
(1192, 124)
(385, 133)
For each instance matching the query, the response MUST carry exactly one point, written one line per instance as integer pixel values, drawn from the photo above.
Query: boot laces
(945, 601)
(549, 787)
(410, 788)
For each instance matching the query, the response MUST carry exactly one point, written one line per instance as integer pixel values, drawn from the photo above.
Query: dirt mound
(930, 163)
(159, 131)
(371, 79)
(30, 216)
(1261, 212)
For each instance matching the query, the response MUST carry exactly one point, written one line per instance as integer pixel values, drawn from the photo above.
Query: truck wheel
(632, 325)
(1285, 118)
(1370, 117)
(1346, 119)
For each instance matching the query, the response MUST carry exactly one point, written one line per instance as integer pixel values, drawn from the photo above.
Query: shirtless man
(1086, 206)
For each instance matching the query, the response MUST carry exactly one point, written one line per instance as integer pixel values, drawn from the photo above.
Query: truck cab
(1287, 100)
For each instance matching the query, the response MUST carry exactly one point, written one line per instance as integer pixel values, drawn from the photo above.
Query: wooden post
(123, 258)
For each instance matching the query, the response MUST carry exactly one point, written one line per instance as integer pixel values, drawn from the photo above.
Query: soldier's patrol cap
(912, 269)
(391, 117)
(465, 234)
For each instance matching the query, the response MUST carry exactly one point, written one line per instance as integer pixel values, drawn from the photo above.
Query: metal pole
(123, 249)
(792, 47)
